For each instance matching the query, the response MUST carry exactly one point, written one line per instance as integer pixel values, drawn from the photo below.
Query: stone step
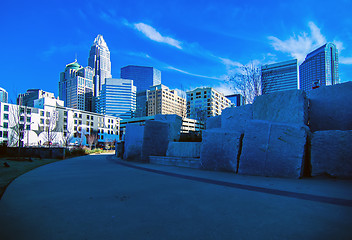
(175, 161)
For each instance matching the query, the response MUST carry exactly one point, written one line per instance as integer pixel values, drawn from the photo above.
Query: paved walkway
(101, 197)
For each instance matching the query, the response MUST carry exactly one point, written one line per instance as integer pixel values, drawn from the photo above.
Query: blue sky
(193, 43)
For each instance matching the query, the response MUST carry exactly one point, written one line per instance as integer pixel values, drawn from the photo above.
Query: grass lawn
(18, 166)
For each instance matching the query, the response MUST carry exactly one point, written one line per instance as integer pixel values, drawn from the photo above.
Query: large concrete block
(330, 107)
(219, 150)
(286, 107)
(155, 139)
(184, 149)
(273, 149)
(331, 153)
(213, 122)
(236, 118)
(133, 142)
(175, 123)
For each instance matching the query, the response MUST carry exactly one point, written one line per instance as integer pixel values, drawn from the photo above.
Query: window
(47, 121)
(6, 116)
(47, 114)
(28, 127)
(79, 122)
(0, 134)
(5, 134)
(28, 119)
(29, 111)
(87, 117)
(41, 121)
(80, 115)
(75, 121)
(21, 118)
(6, 108)
(91, 118)
(75, 115)
(65, 113)
(42, 113)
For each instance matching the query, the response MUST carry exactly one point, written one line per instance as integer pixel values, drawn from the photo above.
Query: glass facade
(143, 77)
(3, 95)
(76, 87)
(320, 68)
(117, 98)
(280, 76)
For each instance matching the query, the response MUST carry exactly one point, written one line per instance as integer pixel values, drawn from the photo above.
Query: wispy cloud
(192, 74)
(154, 35)
(298, 46)
(345, 60)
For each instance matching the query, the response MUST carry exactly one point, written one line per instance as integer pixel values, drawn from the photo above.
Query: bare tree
(91, 139)
(201, 114)
(51, 127)
(67, 135)
(16, 121)
(248, 82)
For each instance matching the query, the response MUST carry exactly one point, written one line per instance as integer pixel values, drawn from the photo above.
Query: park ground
(102, 197)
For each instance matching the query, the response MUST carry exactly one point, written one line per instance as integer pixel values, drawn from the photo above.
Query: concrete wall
(133, 142)
(285, 106)
(236, 118)
(331, 153)
(220, 149)
(155, 139)
(213, 122)
(273, 149)
(330, 107)
(175, 123)
(184, 149)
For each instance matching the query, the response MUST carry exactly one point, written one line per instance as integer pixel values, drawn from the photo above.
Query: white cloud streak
(299, 46)
(192, 74)
(154, 35)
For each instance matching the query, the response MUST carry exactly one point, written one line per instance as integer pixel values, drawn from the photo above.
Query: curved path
(100, 197)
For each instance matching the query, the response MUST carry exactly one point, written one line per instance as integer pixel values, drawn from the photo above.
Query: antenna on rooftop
(75, 57)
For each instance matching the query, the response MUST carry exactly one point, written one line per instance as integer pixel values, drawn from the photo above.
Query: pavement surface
(102, 197)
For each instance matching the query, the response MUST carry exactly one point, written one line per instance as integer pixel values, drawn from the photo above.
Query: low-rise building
(205, 102)
(162, 100)
(55, 125)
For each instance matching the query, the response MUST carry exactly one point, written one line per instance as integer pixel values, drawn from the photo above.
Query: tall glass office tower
(320, 68)
(280, 76)
(143, 78)
(117, 98)
(99, 60)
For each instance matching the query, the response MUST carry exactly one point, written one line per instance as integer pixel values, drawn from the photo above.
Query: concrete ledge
(331, 153)
(175, 161)
(213, 122)
(184, 149)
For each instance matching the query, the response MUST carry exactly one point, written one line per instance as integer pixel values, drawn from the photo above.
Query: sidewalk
(101, 197)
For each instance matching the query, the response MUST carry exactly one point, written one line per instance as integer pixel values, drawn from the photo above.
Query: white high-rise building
(3, 95)
(99, 61)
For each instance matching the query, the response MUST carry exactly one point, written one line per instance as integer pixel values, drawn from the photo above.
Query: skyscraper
(99, 61)
(3, 95)
(27, 99)
(280, 76)
(117, 98)
(143, 77)
(76, 86)
(320, 68)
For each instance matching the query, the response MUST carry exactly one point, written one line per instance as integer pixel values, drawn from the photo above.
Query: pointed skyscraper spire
(99, 60)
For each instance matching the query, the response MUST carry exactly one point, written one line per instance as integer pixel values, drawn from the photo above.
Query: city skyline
(191, 46)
